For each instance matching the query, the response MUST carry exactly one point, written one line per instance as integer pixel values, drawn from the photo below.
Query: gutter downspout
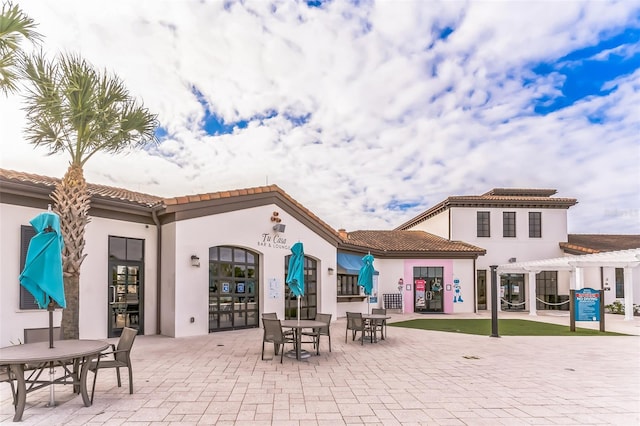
(154, 216)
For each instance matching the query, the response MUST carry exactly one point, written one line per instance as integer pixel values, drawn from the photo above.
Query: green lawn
(506, 327)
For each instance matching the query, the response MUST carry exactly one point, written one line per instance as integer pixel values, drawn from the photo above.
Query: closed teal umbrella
(295, 273)
(42, 273)
(365, 277)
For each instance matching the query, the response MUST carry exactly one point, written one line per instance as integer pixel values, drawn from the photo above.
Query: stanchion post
(494, 301)
(602, 311)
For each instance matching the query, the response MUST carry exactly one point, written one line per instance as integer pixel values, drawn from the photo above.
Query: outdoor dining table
(297, 326)
(77, 352)
(376, 317)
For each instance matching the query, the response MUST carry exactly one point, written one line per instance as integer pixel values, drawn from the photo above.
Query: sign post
(586, 305)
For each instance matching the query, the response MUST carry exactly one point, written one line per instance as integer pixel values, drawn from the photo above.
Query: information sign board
(587, 305)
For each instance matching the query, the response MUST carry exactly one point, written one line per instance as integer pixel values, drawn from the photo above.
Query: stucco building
(202, 263)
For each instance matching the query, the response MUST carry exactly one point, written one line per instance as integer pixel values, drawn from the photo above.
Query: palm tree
(15, 26)
(73, 108)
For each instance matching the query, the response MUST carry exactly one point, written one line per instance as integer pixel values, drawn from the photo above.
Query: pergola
(626, 259)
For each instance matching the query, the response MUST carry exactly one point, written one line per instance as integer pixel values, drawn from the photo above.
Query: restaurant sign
(273, 241)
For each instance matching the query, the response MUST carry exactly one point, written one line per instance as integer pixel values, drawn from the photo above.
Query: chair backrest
(325, 318)
(270, 315)
(379, 311)
(272, 330)
(125, 344)
(354, 321)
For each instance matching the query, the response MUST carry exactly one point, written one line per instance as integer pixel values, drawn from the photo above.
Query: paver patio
(415, 377)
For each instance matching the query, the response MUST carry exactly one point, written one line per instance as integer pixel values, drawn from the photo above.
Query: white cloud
(390, 118)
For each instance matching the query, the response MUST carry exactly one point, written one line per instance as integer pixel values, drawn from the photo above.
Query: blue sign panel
(587, 305)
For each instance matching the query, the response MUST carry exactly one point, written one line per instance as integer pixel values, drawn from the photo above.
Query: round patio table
(297, 326)
(80, 352)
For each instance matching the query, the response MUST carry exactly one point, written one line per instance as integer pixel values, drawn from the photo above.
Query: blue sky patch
(585, 72)
(396, 205)
(212, 123)
(315, 3)
(161, 132)
(298, 120)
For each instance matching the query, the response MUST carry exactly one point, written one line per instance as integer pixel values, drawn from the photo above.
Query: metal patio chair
(356, 323)
(118, 357)
(320, 331)
(273, 334)
(380, 324)
(7, 376)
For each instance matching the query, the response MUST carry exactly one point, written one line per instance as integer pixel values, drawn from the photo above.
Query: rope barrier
(541, 301)
(552, 304)
(513, 304)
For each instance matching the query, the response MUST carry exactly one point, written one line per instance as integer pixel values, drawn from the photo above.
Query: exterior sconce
(512, 260)
(279, 227)
(330, 270)
(195, 260)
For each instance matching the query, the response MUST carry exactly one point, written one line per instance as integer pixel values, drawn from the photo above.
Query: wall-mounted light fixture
(330, 270)
(512, 260)
(279, 227)
(195, 260)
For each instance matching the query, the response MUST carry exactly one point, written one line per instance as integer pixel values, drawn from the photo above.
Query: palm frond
(73, 107)
(15, 26)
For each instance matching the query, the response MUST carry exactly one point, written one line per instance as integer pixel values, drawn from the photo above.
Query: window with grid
(508, 224)
(309, 301)
(484, 225)
(27, 301)
(535, 224)
(547, 289)
(348, 285)
(619, 283)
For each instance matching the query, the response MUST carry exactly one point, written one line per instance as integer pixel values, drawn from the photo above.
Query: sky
(366, 112)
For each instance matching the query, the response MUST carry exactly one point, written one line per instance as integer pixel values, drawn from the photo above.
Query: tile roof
(101, 191)
(599, 243)
(416, 241)
(247, 192)
(497, 197)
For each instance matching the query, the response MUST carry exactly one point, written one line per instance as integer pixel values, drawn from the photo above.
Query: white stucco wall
(464, 272)
(94, 276)
(251, 229)
(436, 225)
(500, 249)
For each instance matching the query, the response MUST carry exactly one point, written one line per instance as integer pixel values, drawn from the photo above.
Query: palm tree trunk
(72, 203)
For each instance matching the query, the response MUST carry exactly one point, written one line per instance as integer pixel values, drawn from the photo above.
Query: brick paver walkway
(414, 377)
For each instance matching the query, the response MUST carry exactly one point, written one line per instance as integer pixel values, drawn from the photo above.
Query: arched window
(308, 302)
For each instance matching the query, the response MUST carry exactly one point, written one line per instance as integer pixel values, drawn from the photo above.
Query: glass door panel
(124, 298)
(512, 292)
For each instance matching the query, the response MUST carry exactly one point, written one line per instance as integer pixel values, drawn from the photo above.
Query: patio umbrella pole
(298, 308)
(50, 308)
(52, 396)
